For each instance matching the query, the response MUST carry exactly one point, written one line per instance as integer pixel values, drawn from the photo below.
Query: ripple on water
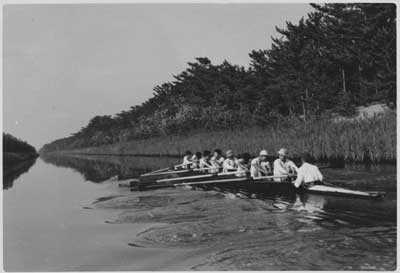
(252, 232)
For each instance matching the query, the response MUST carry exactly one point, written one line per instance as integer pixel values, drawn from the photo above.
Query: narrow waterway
(48, 226)
(60, 215)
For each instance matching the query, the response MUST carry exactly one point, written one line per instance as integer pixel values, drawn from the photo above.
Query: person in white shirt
(216, 161)
(230, 163)
(283, 166)
(205, 160)
(196, 160)
(307, 173)
(243, 164)
(259, 165)
(187, 160)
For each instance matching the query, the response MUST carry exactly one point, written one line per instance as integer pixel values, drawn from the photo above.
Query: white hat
(229, 153)
(264, 152)
(283, 151)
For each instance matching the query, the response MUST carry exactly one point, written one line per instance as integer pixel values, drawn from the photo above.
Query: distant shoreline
(11, 160)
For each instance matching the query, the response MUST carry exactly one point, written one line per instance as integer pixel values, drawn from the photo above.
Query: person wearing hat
(307, 173)
(283, 166)
(260, 166)
(230, 163)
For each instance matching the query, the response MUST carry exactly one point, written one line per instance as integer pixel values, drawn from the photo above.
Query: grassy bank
(367, 140)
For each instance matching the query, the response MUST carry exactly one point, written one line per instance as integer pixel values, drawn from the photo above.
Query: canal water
(63, 213)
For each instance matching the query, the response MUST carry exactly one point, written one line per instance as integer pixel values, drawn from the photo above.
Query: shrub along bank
(364, 140)
(16, 151)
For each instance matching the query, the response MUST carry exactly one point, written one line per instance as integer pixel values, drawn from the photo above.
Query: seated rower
(196, 161)
(187, 160)
(307, 173)
(217, 160)
(283, 166)
(260, 166)
(230, 163)
(242, 164)
(205, 160)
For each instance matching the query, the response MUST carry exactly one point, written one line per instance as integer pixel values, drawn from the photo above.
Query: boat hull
(233, 182)
(267, 187)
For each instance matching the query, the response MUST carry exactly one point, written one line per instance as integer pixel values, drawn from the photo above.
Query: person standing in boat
(216, 161)
(205, 160)
(187, 160)
(308, 173)
(260, 166)
(283, 166)
(230, 163)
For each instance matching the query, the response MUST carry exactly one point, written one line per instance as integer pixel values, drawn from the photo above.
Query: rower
(187, 160)
(243, 164)
(260, 166)
(308, 173)
(205, 160)
(196, 160)
(216, 161)
(283, 166)
(230, 163)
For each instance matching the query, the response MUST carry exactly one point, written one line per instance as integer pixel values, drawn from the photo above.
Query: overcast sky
(64, 64)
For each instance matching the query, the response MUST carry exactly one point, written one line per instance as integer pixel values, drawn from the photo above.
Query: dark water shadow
(97, 168)
(10, 174)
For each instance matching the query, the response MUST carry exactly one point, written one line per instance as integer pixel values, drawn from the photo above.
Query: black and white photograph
(199, 136)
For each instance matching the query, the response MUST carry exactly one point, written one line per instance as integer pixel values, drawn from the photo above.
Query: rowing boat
(265, 184)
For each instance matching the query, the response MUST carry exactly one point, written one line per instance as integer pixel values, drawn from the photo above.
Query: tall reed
(369, 139)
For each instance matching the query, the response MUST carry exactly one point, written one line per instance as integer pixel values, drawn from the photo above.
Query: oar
(230, 180)
(270, 177)
(212, 181)
(163, 170)
(198, 176)
(184, 178)
(204, 169)
(179, 171)
(171, 172)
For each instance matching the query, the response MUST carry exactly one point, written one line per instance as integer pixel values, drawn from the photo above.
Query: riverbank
(12, 161)
(371, 139)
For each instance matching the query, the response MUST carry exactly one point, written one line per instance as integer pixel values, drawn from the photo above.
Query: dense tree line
(12, 144)
(340, 56)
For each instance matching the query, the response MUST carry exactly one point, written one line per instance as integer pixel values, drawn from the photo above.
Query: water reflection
(11, 174)
(98, 168)
(240, 229)
(325, 210)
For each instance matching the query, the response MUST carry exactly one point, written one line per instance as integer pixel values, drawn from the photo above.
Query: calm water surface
(53, 222)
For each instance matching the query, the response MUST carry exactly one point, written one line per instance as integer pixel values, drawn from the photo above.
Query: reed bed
(364, 140)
